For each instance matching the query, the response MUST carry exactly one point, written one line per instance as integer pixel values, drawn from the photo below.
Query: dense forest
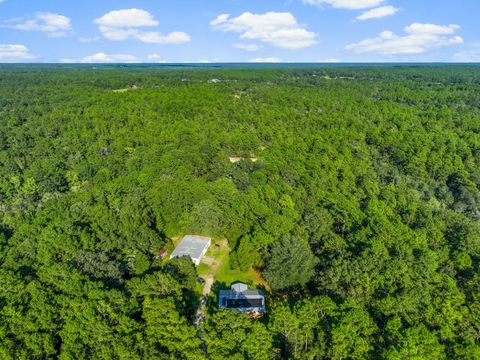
(361, 213)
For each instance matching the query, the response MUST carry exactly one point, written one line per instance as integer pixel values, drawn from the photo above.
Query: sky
(174, 31)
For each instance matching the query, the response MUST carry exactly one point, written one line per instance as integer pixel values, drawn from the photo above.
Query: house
(240, 298)
(193, 246)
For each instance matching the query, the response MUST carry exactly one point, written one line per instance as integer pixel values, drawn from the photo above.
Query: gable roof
(239, 297)
(248, 294)
(191, 245)
(244, 303)
(239, 287)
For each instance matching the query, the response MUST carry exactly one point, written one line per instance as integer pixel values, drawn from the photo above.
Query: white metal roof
(191, 245)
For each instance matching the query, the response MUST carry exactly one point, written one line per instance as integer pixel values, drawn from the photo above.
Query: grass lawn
(220, 270)
(228, 276)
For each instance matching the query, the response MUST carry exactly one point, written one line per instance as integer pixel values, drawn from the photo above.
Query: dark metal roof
(239, 297)
(244, 303)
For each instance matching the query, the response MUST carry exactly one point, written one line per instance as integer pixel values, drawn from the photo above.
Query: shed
(193, 246)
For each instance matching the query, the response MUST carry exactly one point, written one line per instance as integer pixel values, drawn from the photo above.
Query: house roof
(191, 245)
(248, 294)
(241, 291)
(241, 298)
(244, 303)
(239, 287)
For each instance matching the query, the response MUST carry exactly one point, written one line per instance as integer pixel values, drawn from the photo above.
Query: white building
(193, 246)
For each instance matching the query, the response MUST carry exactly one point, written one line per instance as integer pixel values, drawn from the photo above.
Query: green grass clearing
(220, 269)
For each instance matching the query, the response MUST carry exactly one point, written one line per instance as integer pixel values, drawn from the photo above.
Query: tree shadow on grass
(212, 303)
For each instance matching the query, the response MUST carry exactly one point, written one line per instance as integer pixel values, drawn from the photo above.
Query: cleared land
(220, 270)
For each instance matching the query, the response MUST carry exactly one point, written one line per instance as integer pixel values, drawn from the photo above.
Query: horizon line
(244, 63)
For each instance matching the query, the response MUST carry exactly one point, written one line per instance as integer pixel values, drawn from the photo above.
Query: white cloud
(419, 38)
(265, 60)
(419, 28)
(14, 53)
(277, 29)
(219, 20)
(67, 61)
(204, 61)
(247, 47)
(54, 25)
(346, 4)
(113, 58)
(125, 24)
(155, 58)
(117, 34)
(105, 58)
(470, 54)
(88, 39)
(126, 18)
(378, 13)
(153, 37)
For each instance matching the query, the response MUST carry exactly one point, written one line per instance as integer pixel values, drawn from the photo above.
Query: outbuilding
(193, 246)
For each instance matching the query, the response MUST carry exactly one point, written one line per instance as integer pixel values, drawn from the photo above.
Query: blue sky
(239, 30)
